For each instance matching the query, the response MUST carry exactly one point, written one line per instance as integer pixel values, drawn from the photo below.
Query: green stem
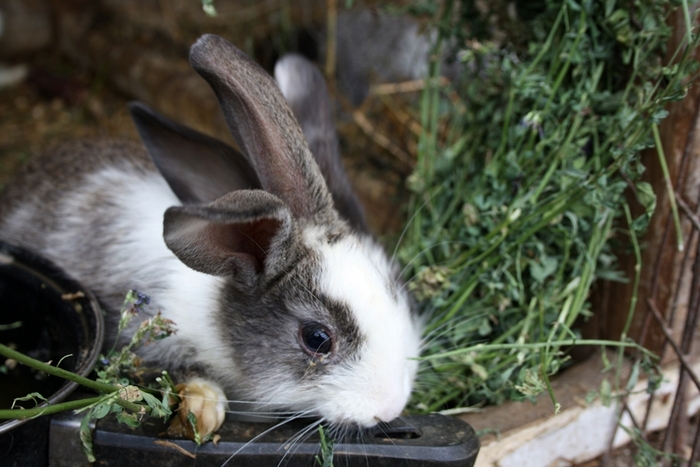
(70, 405)
(456, 307)
(70, 376)
(637, 270)
(132, 406)
(55, 371)
(598, 240)
(550, 389)
(467, 258)
(440, 403)
(547, 43)
(669, 185)
(635, 292)
(559, 156)
(688, 22)
(506, 124)
(538, 345)
(21, 414)
(569, 56)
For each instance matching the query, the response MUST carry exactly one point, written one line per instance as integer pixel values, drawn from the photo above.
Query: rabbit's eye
(316, 338)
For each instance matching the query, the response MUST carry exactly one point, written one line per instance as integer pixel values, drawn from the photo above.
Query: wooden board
(522, 434)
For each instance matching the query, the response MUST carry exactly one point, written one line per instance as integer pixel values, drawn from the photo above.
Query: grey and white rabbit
(262, 259)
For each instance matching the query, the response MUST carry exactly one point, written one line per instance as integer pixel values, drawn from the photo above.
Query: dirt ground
(57, 102)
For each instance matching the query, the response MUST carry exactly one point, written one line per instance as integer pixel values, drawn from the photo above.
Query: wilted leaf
(86, 437)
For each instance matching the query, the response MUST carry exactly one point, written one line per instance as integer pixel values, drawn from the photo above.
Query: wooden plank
(532, 435)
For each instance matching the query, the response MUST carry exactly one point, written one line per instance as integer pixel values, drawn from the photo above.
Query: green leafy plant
(520, 180)
(326, 443)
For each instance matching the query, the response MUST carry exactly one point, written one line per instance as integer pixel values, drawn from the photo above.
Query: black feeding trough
(413, 441)
(50, 317)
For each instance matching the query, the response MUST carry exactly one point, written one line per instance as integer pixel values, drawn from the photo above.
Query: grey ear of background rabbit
(303, 86)
(198, 168)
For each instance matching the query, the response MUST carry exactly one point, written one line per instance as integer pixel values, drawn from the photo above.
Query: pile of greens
(522, 180)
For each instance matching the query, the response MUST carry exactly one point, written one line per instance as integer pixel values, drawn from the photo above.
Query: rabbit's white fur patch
(356, 271)
(193, 296)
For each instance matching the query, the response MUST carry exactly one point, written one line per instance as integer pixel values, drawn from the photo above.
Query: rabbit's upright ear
(198, 168)
(264, 127)
(243, 235)
(303, 86)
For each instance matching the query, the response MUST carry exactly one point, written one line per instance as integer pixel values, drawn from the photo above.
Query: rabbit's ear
(242, 235)
(198, 168)
(303, 86)
(263, 126)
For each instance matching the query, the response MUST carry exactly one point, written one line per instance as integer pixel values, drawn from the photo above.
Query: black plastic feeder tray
(50, 317)
(422, 440)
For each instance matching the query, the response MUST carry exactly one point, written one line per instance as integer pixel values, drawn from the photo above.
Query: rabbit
(376, 45)
(262, 258)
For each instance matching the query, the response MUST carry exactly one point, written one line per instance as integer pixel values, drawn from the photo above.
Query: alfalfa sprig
(515, 210)
(123, 364)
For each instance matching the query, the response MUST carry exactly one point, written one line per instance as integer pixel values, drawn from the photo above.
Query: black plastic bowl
(50, 317)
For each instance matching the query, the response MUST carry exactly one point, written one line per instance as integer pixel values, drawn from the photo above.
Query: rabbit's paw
(202, 404)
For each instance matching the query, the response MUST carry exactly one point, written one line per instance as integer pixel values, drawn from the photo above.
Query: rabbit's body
(89, 207)
(277, 297)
